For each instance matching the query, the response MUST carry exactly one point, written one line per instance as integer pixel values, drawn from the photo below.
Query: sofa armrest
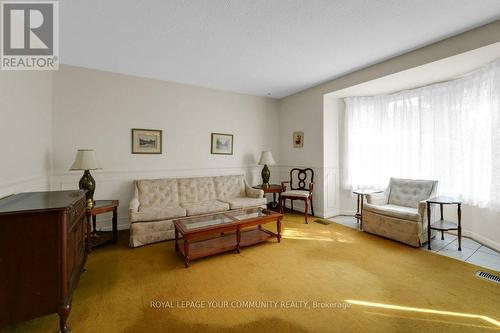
(378, 198)
(134, 205)
(253, 192)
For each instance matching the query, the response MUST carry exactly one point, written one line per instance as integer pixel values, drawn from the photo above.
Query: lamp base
(87, 183)
(266, 174)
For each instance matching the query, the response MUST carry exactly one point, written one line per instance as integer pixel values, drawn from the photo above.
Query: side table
(94, 237)
(359, 206)
(272, 188)
(442, 224)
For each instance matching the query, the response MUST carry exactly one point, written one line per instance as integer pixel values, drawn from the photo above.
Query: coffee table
(217, 233)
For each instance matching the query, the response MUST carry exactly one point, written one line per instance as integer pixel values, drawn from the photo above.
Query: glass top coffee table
(216, 233)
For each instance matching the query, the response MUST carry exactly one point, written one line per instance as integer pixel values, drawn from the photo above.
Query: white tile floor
(472, 251)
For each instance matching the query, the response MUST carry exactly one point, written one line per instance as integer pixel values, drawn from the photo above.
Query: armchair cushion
(409, 192)
(296, 193)
(400, 212)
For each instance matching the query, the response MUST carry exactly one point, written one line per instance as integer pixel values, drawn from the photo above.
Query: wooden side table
(94, 237)
(442, 224)
(359, 206)
(272, 188)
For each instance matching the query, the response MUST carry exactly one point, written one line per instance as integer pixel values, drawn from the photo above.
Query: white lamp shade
(266, 158)
(85, 160)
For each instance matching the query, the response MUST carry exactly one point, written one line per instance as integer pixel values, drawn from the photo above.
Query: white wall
(25, 131)
(96, 109)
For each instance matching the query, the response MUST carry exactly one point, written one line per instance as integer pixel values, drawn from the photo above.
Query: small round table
(272, 188)
(96, 238)
(359, 207)
(442, 224)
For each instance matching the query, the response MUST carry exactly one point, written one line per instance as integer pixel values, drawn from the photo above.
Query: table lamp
(266, 158)
(85, 160)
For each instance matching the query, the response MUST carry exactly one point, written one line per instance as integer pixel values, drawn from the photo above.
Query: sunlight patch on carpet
(326, 235)
(421, 310)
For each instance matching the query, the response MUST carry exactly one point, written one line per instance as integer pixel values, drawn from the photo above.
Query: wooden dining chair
(301, 188)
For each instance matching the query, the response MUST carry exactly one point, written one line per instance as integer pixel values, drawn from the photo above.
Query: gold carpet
(364, 284)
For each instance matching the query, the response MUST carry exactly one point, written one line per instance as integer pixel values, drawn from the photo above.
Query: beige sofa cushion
(157, 214)
(197, 189)
(236, 203)
(409, 192)
(400, 212)
(205, 207)
(157, 193)
(229, 187)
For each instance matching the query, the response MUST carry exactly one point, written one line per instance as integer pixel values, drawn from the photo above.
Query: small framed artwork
(146, 141)
(222, 144)
(298, 139)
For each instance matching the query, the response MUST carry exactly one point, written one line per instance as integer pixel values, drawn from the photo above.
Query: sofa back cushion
(157, 193)
(196, 189)
(409, 192)
(229, 186)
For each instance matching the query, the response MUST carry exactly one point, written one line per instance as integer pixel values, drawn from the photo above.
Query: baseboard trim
(480, 239)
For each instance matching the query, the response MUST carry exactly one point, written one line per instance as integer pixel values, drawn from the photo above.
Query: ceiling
(260, 47)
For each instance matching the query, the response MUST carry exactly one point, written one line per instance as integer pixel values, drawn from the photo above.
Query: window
(448, 131)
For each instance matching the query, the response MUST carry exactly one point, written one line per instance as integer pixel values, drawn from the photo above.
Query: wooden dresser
(42, 254)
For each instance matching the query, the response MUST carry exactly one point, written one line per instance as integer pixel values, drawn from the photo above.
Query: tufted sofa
(399, 212)
(157, 202)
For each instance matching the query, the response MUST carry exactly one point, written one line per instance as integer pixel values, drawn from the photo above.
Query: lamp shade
(85, 160)
(266, 158)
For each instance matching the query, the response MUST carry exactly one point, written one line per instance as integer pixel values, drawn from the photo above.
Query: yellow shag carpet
(361, 282)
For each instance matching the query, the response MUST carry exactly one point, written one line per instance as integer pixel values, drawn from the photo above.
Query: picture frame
(298, 139)
(146, 141)
(221, 144)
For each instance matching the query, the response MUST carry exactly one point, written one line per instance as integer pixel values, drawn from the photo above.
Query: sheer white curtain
(447, 131)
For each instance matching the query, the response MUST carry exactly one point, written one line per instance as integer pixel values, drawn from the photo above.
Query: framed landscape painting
(222, 144)
(146, 141)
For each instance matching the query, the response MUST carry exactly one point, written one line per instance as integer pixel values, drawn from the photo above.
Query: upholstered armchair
(399, 212)
(299, 189)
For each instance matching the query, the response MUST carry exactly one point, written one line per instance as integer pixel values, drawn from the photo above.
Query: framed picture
(146, 141)
(222, 144)
(298, 139)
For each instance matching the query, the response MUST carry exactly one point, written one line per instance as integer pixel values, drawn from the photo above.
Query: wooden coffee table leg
(238, 239)
(186, 253)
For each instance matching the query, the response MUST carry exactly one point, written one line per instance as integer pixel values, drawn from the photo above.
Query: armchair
(298, 190)
(399, 212)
